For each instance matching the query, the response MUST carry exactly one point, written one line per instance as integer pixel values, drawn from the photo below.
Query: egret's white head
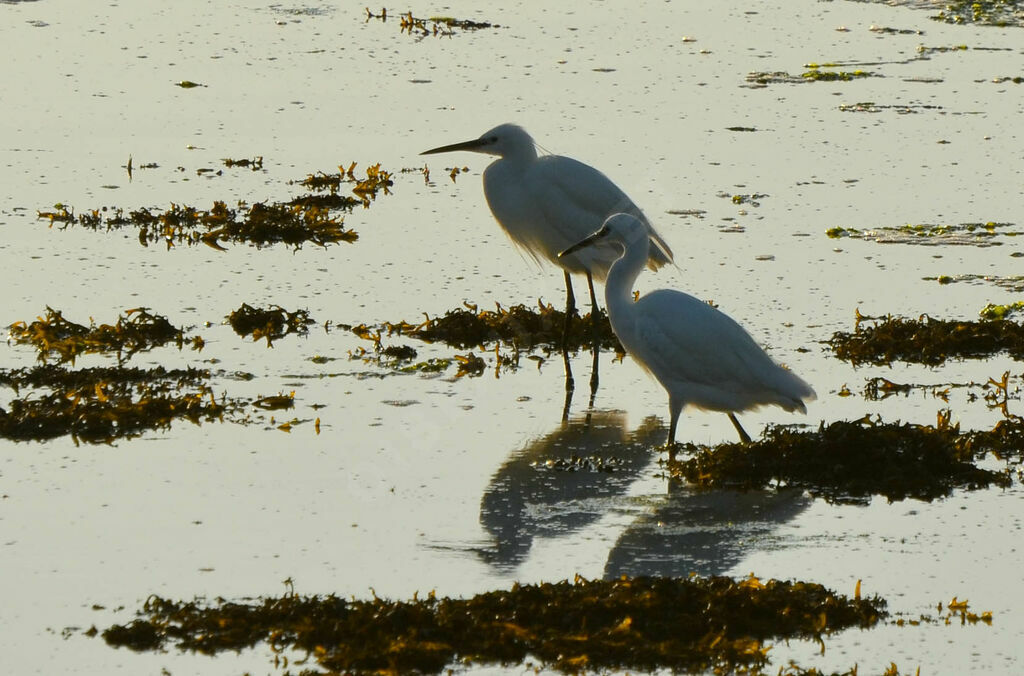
(622, 229)
(505, 140)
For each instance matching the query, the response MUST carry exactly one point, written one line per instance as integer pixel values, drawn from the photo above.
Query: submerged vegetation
(519, 326)
(883, 340)
(504, 332)
(1014, 283)
(306, 218)
(137, 330)
(641, 623)
(851, 461)
(100, 405)
(104, 404)
(930, 234)
(437, 26)
(260, 224)
(815, 73)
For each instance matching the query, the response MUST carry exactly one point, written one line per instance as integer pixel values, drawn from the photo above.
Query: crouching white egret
(699, 355)
(547, 203)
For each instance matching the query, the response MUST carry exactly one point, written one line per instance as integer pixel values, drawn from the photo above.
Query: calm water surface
(425, 482)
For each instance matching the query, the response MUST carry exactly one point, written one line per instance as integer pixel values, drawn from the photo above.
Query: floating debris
(642, 623)
(815, 74)
(883, 340)
(436, 25)
(1014, 283)
(929, 234)
(895, 31)
(271, 323)
(276, 402)
(188, 84)
(872, 107)
(952, 611)
(101, 405)
(137, 330)
(849, 462)
(753, 199)
(256, 163)
(521, 327)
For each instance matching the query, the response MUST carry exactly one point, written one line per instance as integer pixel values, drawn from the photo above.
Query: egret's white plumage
(700, 355)
(545, 203)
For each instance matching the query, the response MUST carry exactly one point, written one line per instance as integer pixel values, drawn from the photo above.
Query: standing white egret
(546, 203)
(700, 355)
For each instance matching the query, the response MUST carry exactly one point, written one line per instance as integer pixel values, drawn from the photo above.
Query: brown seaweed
(629, 623)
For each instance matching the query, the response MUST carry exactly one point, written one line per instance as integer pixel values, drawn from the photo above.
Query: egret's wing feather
(689, 345)
(578, 199)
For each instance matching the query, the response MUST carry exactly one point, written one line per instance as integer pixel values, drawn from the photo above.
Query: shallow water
(424, 482)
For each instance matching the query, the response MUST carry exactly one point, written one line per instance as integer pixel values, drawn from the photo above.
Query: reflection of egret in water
(570, 387)
(560, 483)
(701, 531)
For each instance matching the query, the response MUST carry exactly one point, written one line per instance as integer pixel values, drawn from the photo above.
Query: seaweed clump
(519, 326)
(306, 218)
(137, 330)
(271, 323)
(634, 623)
(849, 461)
(100, 405)
(324, 189)
(925, 340)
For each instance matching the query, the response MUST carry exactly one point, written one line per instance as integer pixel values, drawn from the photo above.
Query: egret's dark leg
(570, 386)
(570, 309)
(594, 374)
(671, 442)
(594, 310)
(744, 437)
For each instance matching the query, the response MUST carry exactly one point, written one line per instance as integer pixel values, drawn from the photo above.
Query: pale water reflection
(690, 530)
(564, 481)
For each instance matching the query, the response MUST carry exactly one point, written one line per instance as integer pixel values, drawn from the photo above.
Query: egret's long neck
(618, 288)
(520, 153)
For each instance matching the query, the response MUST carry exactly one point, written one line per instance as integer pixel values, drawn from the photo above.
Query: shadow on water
(560, 483)
(694, 530)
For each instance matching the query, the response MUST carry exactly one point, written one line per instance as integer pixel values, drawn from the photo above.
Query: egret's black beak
(475, 144)
(600, 234)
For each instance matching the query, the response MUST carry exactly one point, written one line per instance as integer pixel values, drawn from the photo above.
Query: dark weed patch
(101, 405)
(883, 340)
(271, 323)
(519, 327)
(308, 218)
(630, 623)
(853, 461)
